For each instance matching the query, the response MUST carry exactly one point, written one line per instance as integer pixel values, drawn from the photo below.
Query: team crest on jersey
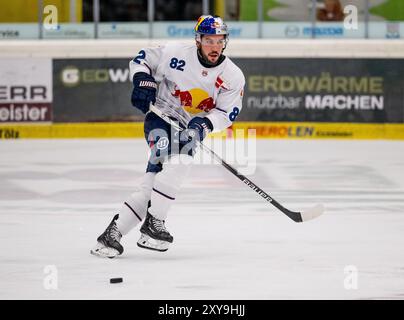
(194, 100)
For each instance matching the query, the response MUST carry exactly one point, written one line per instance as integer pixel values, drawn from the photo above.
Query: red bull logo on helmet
(195, 100)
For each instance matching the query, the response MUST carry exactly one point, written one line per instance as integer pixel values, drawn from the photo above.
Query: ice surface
(57, 196)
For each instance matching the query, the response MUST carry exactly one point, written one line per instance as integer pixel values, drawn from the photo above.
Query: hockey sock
(167, 184)
(134, 208)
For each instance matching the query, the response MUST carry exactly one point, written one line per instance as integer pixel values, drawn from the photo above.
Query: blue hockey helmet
(210, 25)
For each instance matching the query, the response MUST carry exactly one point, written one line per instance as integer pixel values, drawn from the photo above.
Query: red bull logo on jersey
(195, 100)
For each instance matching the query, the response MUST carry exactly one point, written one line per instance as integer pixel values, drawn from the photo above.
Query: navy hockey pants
(163, 141)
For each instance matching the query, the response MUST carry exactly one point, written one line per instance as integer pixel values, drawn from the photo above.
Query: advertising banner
(123, 30)
(323, 90)
(13, 31)
(184, 29)
(386, 29)
(277, 89)
(26, 91)
(69, 31)
(306, 30)
(88, 90)
(240, 130)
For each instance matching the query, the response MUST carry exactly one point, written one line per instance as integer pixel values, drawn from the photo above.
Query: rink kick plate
(275, 130)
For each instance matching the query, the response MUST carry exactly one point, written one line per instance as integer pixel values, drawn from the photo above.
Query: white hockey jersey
(187, 87)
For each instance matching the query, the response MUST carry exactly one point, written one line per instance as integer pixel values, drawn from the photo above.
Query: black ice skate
(108, 245)
(154, 235)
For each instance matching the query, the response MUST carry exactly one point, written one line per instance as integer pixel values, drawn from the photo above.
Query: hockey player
(185, 82)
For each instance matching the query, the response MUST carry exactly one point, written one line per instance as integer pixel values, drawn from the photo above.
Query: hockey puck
(115, 280)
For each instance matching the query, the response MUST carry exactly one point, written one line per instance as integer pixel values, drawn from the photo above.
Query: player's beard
(213, 55)
(204, 57)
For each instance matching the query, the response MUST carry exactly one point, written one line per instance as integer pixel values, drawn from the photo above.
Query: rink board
(275, 130)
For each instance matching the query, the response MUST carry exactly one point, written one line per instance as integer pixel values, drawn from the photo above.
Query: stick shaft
(295, 216)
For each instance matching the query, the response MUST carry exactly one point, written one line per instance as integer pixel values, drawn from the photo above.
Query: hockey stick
(309, 214)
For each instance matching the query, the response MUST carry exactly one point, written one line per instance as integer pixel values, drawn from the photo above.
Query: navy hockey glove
(198, 128)
(144, 91)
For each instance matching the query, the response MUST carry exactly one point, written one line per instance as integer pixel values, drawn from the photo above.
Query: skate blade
(147, 242)
(104, 252)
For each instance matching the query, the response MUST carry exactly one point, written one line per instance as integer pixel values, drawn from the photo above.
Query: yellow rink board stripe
(307, 130)
(73, 130)
(276, 130)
